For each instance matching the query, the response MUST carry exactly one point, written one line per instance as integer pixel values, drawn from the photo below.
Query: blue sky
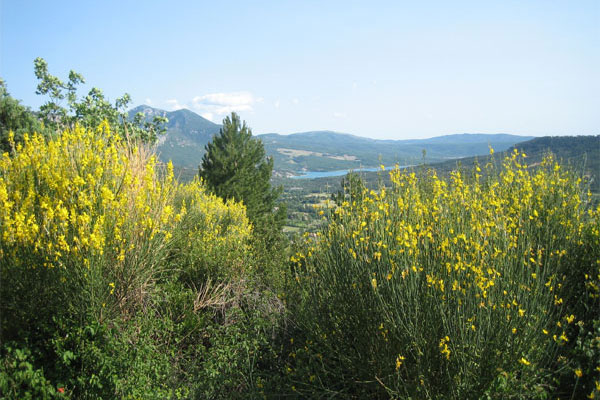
(383, 69)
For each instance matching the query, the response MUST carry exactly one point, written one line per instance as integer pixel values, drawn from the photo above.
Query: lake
(327, 174)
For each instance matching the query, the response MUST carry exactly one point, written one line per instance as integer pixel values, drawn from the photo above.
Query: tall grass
(445, 288)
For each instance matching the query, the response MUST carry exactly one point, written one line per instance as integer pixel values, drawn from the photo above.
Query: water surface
(342, 172)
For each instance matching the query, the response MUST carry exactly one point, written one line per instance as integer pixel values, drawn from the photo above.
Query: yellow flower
(578, 373)
(524, 361)
(399, 360)
(444, 347)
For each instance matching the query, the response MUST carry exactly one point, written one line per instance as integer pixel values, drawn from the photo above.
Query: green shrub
(212, 239)
(438, 288)
(122, 282)
(20, 379)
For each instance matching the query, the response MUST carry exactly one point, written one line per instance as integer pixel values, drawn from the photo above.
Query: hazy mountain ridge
(322, 151)
(582, 153)
(188, 133)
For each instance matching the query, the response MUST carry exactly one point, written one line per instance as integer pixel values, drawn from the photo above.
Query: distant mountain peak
(180, 115)
(146, 110)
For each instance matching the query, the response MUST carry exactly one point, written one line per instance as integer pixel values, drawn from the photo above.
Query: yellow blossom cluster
(91, 206)
(478, 258)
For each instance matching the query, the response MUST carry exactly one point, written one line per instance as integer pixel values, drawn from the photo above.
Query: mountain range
(188, 133)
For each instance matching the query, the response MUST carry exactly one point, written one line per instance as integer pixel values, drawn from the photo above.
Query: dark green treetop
(235, 166)
(16, 118)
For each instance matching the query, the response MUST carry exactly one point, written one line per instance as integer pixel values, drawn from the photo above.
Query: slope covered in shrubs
(466, 287)
(118, 281)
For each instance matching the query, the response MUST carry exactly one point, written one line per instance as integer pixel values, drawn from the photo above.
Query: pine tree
(235, 166)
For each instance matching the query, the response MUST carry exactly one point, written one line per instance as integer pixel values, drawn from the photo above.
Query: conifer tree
(235, 166)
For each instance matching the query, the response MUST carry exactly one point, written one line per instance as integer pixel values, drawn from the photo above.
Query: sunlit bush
(212, 240)
(446, 288)
(84, 218)
(90, 226)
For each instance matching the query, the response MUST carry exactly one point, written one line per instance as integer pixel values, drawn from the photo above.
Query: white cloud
(208, 115)
(173, 104)
(217, 104)
(295, 101)
(277, 103)
(339, 115)
(148, 101)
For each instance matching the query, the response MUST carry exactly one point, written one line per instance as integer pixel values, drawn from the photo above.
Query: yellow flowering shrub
(468, 275)
(89, 221)
(212, 241)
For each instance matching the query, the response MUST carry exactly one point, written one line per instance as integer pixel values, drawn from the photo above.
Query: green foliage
(582, 294)
(127, 360)
(235, 167)
(20, 379)
(446, 288)
(223, 333)
(120, 281)
(352, 191)
(16, 118)
(91, 110)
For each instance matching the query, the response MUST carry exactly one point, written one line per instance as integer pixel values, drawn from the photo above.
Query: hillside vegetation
(118, 281)
(479, 280)
(581, 153)
(326, 151)
(458, 287)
